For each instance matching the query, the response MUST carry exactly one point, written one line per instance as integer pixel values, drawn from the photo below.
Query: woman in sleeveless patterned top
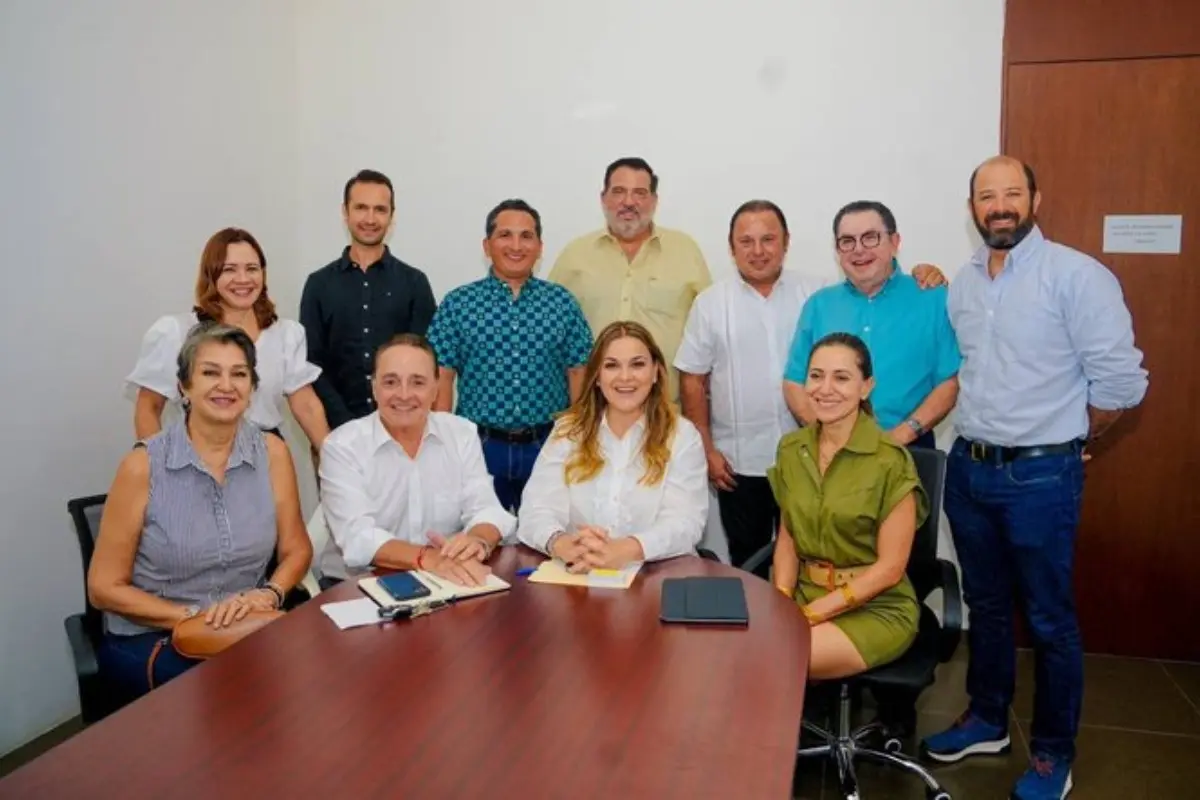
(193, 517)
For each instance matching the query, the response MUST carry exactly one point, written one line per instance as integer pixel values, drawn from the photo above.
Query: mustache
(996, 216)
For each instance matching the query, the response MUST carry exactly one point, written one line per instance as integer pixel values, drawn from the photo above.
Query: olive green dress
(836, 518)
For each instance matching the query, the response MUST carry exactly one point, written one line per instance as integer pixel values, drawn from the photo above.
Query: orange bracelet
(420, 555)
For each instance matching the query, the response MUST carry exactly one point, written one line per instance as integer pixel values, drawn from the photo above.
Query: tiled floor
(1140, 737)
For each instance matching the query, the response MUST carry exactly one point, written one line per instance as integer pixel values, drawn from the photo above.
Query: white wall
(811, 104)
(134, 129)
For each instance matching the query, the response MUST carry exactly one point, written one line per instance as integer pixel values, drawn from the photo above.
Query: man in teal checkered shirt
(517, 345)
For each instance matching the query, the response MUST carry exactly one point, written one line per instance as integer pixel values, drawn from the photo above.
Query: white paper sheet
(353, 613)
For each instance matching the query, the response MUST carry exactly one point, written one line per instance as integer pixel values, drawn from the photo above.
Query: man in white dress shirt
(406, 487)
(730, 367)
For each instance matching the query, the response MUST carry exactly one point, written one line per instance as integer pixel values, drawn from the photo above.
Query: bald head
(1006, 164)
(1004, 201)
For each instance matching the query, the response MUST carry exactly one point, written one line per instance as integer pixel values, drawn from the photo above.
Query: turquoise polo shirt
(906, 329)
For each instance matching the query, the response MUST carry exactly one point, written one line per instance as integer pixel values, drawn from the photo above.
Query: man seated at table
(623, 477)
(406, 487)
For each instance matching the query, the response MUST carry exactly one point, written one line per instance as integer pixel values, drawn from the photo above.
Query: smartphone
(402, 586)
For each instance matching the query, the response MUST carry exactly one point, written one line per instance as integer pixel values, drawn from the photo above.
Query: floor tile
(1187, 678)
(1123, 765)
(1126, 693)
(949, 694)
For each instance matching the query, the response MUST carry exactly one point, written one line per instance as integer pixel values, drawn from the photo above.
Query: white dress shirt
(283, 366)
(373, 493)
(741, 340)
(667, 519)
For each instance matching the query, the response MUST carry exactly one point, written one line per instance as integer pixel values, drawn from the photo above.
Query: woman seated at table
(194, 515)
(623, 477)
(231, 287)
(851, 503)
(406, 487)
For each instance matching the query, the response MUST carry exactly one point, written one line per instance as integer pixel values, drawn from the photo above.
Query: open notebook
(440, 589)
(555, 571)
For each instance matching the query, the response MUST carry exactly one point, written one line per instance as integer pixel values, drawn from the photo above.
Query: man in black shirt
(353, 305)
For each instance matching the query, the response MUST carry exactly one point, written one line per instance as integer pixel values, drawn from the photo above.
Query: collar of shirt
(182, 453)
(864, 439)
(889, 284)
(1026, 251)
(346, 263)
(634, 433)
(381, 437)
(497, 286)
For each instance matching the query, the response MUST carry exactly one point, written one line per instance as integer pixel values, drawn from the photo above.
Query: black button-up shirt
(347, 313)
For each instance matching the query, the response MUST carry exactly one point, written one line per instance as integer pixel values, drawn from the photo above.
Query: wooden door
(1122, 136)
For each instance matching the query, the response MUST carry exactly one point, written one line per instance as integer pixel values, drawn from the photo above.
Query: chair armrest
(82, 649)
(758, 559)
(952, 609)
(707, 554)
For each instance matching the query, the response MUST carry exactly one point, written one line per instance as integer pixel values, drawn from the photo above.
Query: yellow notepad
(555, 571)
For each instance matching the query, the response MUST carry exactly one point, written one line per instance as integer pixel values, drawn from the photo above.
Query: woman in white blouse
(623, 477)
(232, 288)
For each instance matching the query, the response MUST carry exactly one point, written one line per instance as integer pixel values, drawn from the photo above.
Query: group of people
(593, 411)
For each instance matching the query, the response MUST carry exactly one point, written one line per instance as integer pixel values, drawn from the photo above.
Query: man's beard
(1004, 240)
(628, 228)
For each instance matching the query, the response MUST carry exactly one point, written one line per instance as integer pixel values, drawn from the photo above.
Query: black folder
(707, 601)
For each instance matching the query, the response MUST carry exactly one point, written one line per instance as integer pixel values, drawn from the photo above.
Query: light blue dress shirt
(906, 330)
(1047, 337)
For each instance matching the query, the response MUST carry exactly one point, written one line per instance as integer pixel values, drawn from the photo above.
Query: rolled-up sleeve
(480, 506)
(347, 507)
(157, 364)
(298, 371)
(679, 525)
(1101, 331)
(546, 499)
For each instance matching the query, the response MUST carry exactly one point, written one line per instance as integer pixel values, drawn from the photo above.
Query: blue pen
(526, 571)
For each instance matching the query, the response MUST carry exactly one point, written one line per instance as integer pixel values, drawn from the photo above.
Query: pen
(526, 571)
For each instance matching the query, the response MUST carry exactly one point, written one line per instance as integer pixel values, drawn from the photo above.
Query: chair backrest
(922, 563)
(85, 515)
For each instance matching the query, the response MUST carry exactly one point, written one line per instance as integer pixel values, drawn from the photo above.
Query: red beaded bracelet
(420, 555)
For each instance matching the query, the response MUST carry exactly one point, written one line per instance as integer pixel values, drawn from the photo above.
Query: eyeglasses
(868, 240)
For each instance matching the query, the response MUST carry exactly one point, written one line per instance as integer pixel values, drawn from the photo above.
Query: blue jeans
(123, 661)
(1014, 527)
(510, 466)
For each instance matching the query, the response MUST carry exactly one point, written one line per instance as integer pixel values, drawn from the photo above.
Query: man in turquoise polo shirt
(907, 330)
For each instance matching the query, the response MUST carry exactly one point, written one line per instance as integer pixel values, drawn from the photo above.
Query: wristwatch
(915, 425)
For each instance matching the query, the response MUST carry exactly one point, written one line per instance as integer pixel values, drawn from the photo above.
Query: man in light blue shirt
(1048, 364)
(905, 327)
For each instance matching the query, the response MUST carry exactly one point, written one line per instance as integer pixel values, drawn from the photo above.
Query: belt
(518, 436)
(825, 574)
(995, 454)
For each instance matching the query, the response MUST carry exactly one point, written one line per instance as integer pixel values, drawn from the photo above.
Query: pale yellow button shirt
(655, 289)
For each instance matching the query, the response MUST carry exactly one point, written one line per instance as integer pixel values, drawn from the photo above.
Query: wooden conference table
(538, 692)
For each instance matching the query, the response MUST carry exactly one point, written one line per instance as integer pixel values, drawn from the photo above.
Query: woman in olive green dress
(850, 503)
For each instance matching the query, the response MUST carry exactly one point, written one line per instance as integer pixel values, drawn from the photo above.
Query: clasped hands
(224, 613)
(458, 558)
(591, 547)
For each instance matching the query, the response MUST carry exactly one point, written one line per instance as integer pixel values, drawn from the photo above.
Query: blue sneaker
(1047, 778)
(968, 736)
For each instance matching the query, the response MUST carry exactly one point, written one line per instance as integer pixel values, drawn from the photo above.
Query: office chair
(914, 671)
(96, 700)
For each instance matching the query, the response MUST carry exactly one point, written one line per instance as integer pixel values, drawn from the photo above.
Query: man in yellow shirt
(634, 269)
